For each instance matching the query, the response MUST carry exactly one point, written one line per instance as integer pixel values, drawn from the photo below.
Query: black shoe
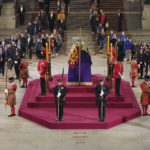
(147, 114)
(133, 86)
(60, 120)
(118, 95)
(42, 94)
(22, 86)
(13, 115)
(10, 115)
(144, 114)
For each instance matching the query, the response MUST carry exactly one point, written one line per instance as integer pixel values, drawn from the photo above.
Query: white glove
(122, 77)
(6, 91)
(58, 95)
(102, 93)
(140, 63)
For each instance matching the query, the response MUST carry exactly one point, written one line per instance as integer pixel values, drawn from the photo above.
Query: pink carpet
(80, 111)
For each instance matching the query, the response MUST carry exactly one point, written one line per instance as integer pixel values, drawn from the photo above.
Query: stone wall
(146, 18)
(7, 18)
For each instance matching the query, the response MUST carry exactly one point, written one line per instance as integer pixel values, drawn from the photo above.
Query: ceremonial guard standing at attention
(60, 93)
(145, 97)
(42, 65)
(11, 96)
(134, 71)
(24, 74)
(118, 75)
(101, 92)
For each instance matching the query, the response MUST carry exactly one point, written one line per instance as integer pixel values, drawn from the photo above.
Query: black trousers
(118, 83)
(141, 70)
(2, 68)
(17, 71)
(43, 85)
(120, 26)
(61, 111)
(101, 113)
(21, 18)
(146, 67)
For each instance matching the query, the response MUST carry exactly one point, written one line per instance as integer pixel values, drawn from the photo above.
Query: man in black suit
(2, 61)
(42, 19)
(51, 18)
(140, 61)
(16, 61)
(119, 18)
(47, 3)
(23, 44)
(21, 13)
(10, 57)
(29, 46)
(101, 91)
(30, 29)
(67, 2)
(59, 94)
(36, 30)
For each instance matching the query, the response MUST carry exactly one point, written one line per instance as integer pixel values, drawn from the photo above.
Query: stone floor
(19, 134)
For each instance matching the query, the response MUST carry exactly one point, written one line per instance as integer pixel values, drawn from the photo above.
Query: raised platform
(80, 111)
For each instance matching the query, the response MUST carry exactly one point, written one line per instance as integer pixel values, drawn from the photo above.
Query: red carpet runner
(80, 111)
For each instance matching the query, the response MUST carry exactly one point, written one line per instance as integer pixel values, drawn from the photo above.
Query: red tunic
(145, 98)
(11, 98)
(103, 20)
(114, 55)
(134, 69)
(42, 65)
(118, 69)
(24, 74)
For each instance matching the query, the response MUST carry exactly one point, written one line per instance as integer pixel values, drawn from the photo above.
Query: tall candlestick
(49, 44)
(108, 45)
(46, 51)
(111, 52)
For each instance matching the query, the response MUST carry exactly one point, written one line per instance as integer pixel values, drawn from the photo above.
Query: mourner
(60, 93)
(101, 92)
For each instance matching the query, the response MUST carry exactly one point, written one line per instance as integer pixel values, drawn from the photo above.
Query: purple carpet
(80, 111)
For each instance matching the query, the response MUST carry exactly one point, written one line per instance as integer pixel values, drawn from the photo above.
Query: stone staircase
(78, 21)
(131, 11)
(7, 18)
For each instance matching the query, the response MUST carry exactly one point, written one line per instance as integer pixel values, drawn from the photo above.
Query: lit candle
(108, 45)
(46, 51)
(111, 52)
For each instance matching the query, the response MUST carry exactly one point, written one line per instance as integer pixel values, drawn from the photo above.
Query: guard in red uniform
(134, 71)
(145, 97)
(118, 74)
(11, 97)
(24, 73)
(42, 65)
